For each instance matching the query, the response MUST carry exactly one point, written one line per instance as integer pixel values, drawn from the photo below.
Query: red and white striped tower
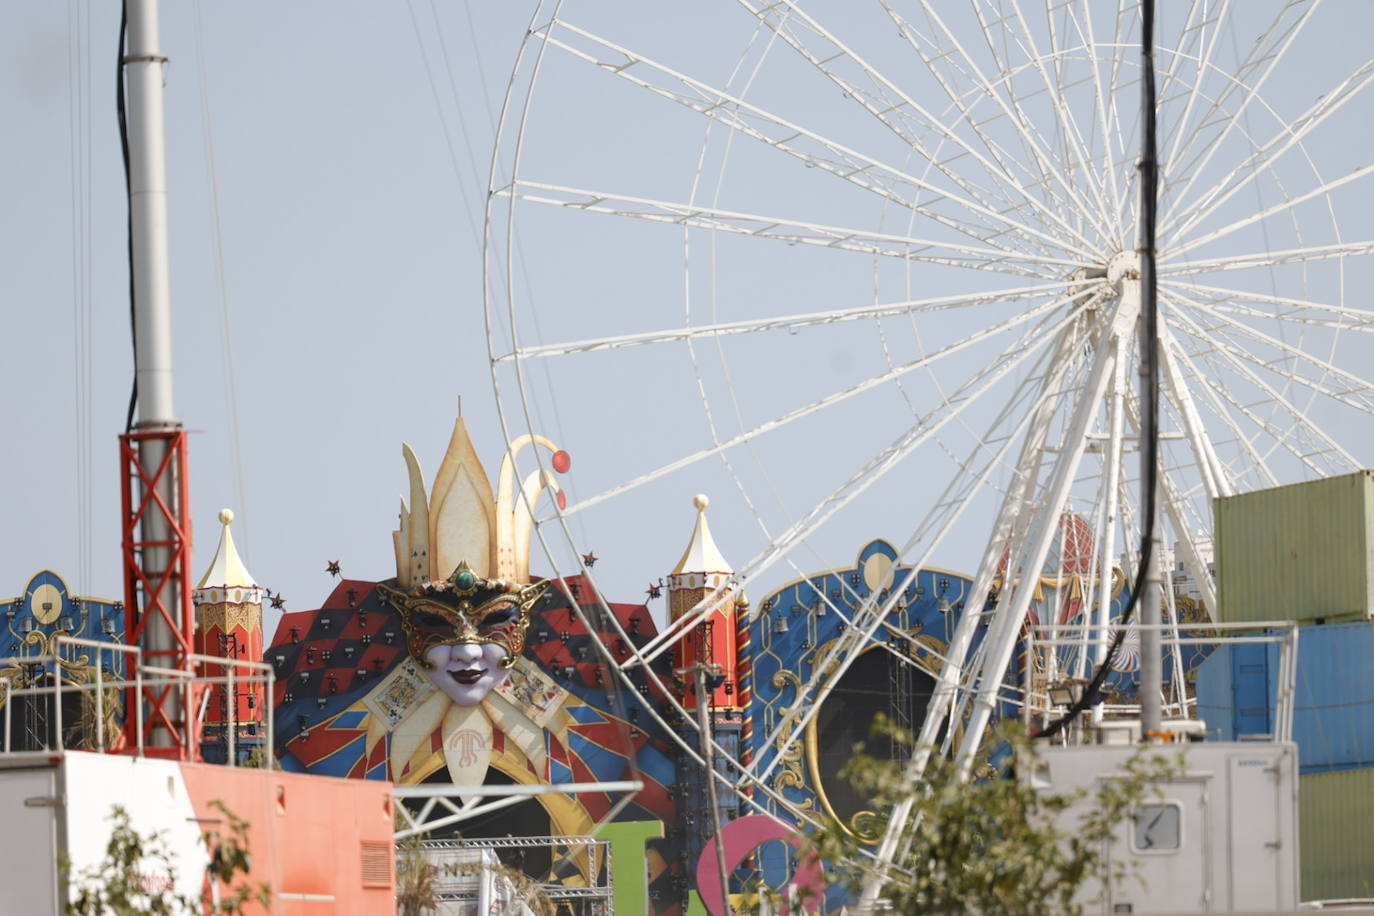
(703, 575)
(706, 660)
(229, 624)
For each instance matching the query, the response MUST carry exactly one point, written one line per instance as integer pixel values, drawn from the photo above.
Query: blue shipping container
(1333, 723)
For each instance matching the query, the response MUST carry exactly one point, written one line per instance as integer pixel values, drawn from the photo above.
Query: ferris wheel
(872, 267)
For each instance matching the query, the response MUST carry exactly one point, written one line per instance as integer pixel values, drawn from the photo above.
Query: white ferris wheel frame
(1079, 297)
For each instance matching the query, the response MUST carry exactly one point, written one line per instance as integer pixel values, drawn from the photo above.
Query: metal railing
(144, 677)
(1283, 633)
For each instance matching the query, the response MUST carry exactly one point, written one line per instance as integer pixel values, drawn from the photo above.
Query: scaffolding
(899, 691)
(464, 869)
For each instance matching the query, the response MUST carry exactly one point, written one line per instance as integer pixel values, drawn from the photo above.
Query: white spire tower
(229, 624)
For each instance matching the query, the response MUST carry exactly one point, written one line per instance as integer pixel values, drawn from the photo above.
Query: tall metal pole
(156, 560)
(1151, 664)
(143, 70)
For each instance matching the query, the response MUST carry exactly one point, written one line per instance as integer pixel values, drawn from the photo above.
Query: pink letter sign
(743, 836)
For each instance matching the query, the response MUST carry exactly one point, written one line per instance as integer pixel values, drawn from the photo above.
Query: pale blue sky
(348, 226)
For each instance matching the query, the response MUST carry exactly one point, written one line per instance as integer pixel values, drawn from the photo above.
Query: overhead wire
(518, 246)
(122, 115)
(221, 283)
(79, 128)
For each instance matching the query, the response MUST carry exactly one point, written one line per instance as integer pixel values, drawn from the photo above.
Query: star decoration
(589, 559)
(654, 590)
(333, 568)
(278, 602)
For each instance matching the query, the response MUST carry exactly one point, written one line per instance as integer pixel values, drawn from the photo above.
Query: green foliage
(99, 717)
(416, 891)
(230, 859)
(262, 758)
(996, 846)
(137, 876)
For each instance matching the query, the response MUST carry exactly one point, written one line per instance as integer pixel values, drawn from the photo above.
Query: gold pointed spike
(509, 504)
(535, 483)
(462, 510)
(416, 525)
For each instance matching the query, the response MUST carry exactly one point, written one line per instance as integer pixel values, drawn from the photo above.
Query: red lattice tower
(156, 543)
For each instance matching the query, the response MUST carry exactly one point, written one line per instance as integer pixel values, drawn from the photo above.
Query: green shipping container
(1298, 552)
(1336, 834)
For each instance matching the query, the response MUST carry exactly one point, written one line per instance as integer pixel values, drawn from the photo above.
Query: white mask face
(467, 672)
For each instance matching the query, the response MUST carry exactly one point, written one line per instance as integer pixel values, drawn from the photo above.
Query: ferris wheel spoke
(1291, 135)
(1028, 558)
(781, 229)
(895, 109)
(1173, 85)
(1192, 33)
(982, 88)
(871, 614)
(1182, 515)
(1121, 28)
(1203, 65)
(1268, 51)
(1172, 266)
(1044, 178)
(953, 690)
(791, 322)
(1103, 110)
(961, 100)
(810, 147)
(1303, 440)
(1235, 301)
(872, 471)
(831, 400)
(1214, 475)
(1218, 408)
(1064, 120)
(1356, 392)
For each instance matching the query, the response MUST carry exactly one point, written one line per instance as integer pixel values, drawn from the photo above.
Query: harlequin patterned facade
(352, 700)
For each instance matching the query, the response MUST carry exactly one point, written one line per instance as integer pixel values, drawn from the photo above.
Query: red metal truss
(158, 601)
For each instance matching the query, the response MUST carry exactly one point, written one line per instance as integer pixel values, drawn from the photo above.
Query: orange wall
(306, 835)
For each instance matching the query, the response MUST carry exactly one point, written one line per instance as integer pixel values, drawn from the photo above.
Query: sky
(329, 169)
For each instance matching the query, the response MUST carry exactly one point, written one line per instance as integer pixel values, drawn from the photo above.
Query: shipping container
(1336, 834)
(1302, 552)
(1333, 721)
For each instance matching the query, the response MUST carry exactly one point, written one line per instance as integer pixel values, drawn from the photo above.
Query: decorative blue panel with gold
(800, 622)
(31, 655)
(792, 635)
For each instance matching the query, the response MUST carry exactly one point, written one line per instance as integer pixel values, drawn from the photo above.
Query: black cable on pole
(122, 112)
(1149, 363)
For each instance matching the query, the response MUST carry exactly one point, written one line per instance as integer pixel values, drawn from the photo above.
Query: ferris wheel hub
(1124, 265)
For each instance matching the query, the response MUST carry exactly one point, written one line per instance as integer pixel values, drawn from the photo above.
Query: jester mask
(464, 608)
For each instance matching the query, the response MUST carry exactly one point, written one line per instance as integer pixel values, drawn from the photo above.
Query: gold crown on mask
(463, 520)
(464, 527)
(464, 608)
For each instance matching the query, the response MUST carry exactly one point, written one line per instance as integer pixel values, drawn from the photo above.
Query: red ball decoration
(561, 461)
